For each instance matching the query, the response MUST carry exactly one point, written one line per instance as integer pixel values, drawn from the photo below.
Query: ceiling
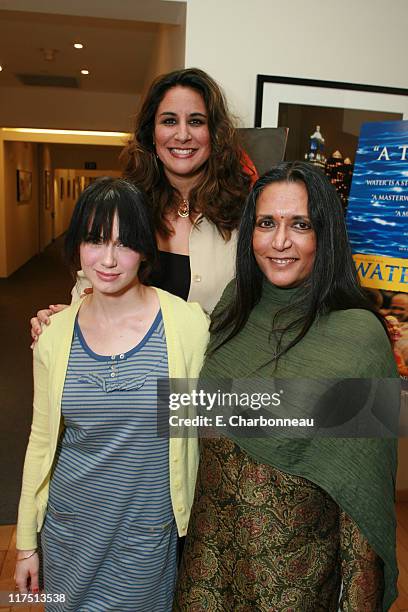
(160, 11)
(119, 40)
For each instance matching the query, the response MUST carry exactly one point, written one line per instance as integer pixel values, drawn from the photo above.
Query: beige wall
(64, 201)
(46, 201)
(45, 107)
(170, 53)
(75, 156)
(234, 40)
(26, 229)
(21, 218)
(68, 184)
(3, 246)
(171, 48)
(68, 161)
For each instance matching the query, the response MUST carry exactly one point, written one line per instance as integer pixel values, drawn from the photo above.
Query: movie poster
(377, 222)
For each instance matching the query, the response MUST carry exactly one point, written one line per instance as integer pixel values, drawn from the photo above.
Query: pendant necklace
(183, 209)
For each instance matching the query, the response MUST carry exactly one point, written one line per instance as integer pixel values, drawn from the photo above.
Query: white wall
(360, 41)
(46, 107)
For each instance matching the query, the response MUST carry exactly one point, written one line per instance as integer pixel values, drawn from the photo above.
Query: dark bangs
(93, 218)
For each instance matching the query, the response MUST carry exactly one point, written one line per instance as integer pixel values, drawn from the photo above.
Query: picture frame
(24, 185)
(352, 104)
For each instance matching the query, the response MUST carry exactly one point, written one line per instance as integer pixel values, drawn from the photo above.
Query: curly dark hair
(221, 193)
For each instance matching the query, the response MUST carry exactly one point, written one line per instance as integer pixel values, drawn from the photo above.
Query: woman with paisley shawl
(294, 524)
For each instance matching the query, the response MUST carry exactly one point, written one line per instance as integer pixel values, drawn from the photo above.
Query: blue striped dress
(109, 537)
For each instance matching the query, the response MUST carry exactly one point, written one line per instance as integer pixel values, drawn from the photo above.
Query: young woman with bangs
(106, 493)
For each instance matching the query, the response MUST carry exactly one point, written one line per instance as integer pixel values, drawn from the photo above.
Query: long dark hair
(221, 193)
(333, 283)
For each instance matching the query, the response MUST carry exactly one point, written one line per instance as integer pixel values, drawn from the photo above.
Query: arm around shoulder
(78, 289)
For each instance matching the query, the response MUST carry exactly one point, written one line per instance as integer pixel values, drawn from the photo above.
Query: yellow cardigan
(186, 329)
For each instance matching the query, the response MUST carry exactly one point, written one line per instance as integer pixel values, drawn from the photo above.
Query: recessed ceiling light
(84, 71)
(1, 68)
(78, 45)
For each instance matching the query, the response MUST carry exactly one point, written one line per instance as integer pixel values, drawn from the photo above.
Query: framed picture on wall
(24, 185)
(330, 112)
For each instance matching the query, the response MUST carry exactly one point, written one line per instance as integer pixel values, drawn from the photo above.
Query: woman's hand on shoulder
(26, 572)
(43, 318)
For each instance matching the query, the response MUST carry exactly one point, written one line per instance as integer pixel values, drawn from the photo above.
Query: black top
(173, 274)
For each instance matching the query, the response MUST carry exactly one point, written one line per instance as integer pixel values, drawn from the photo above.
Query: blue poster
(377, 216)
(377, 222)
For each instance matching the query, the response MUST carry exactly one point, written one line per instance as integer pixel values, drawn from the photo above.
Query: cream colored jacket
(212, 265)
(186, 336)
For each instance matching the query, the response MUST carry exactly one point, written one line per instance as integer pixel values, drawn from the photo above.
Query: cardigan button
(197, 278)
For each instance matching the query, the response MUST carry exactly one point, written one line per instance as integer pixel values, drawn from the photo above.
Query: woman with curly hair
(185, 155)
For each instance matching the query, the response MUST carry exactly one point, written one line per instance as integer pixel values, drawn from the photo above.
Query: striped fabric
(109, 537)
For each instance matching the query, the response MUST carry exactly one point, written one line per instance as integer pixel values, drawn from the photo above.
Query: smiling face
(399, 307)
(181, 134)
(111, 267)
(284, 242)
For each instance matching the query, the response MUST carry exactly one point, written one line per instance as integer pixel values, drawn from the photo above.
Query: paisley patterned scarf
(358, 473)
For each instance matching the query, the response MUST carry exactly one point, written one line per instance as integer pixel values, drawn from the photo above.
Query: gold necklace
(183, 209)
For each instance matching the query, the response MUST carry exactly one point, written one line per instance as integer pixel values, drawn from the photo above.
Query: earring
(155, 162)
